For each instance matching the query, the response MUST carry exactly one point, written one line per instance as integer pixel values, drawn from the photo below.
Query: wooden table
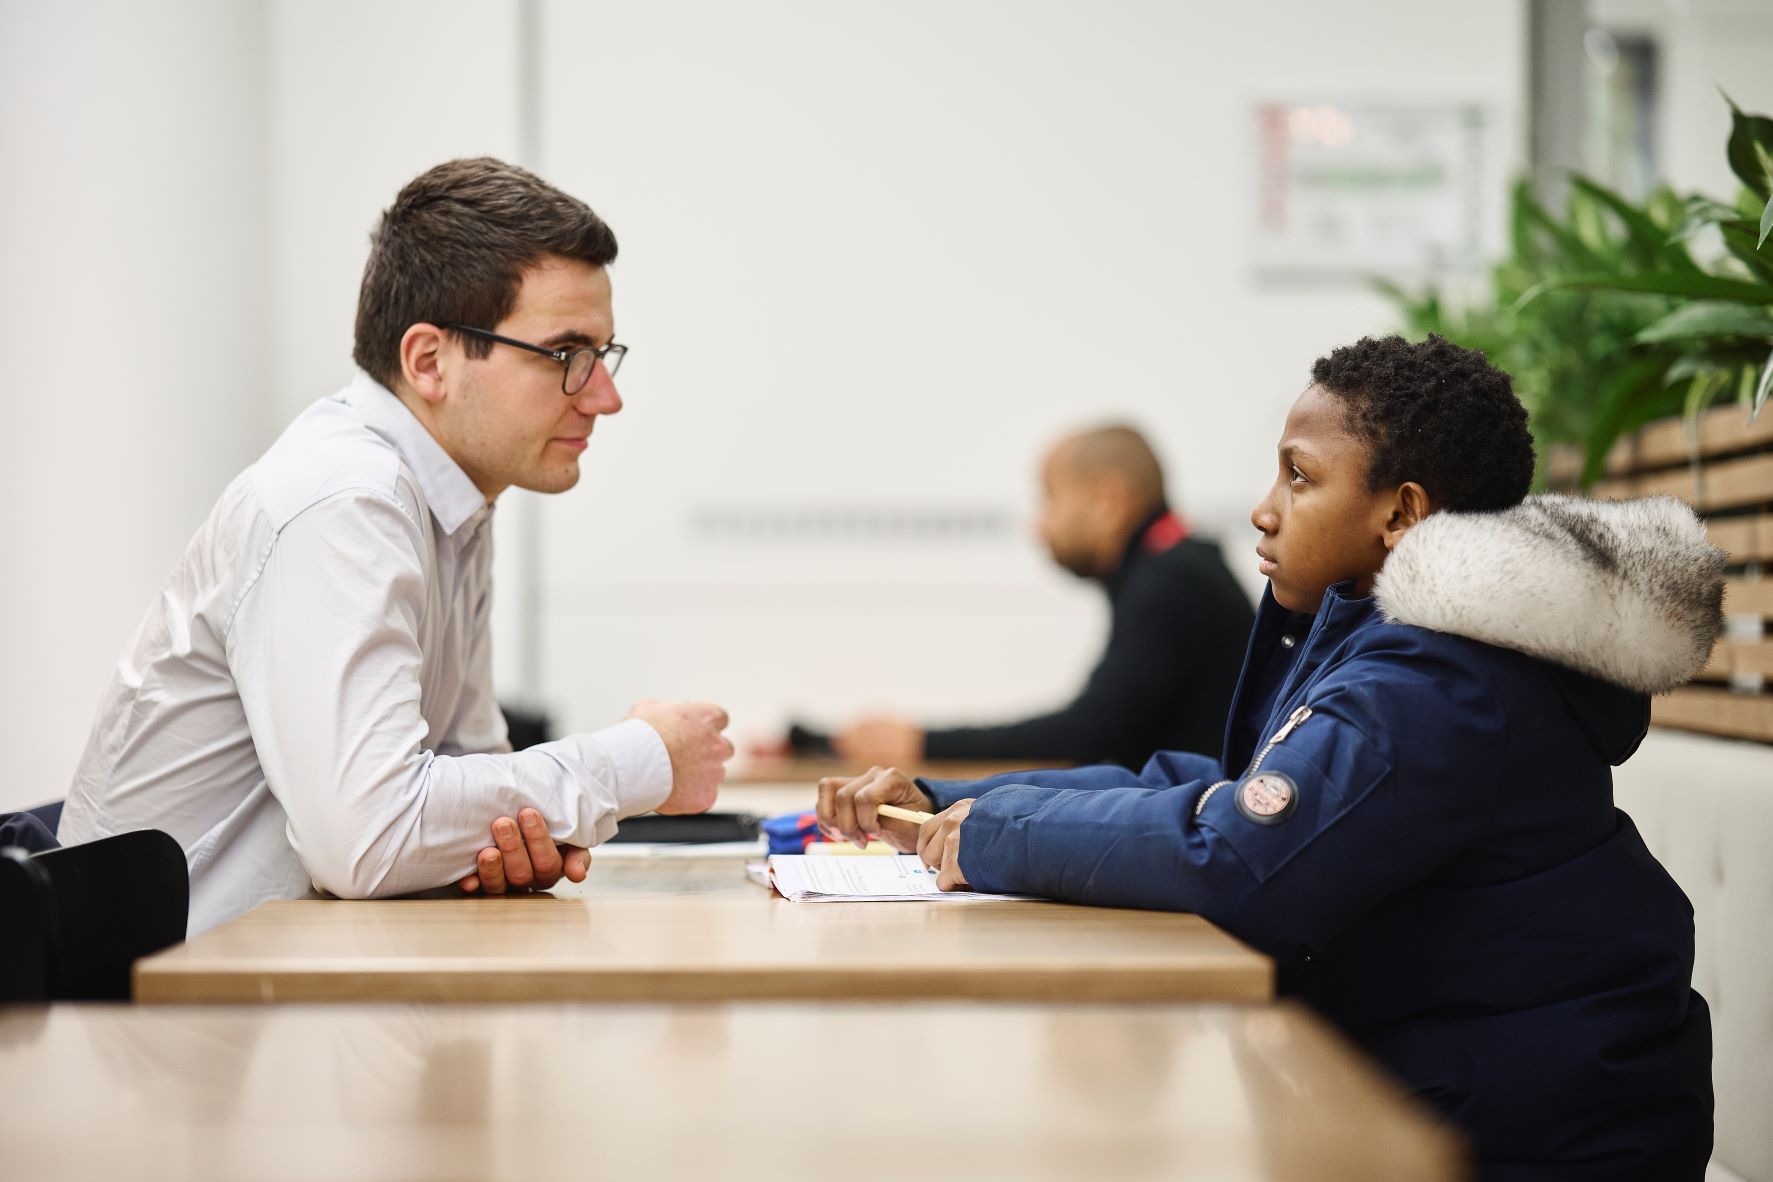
(693, 929)
(752, 1091)
(771, 770)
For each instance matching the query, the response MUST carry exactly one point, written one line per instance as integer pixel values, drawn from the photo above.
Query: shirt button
(1288, 642)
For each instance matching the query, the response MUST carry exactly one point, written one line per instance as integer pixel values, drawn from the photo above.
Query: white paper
(801, 878)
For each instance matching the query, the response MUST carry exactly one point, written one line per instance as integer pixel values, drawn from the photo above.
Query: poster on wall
(1362, 187)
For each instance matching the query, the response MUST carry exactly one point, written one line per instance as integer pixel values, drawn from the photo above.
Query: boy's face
(1320, 522)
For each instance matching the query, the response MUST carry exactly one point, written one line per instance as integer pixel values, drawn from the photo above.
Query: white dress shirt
(310, 699)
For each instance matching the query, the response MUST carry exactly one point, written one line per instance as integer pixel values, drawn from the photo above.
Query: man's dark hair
(1434, 413)
(453, 247)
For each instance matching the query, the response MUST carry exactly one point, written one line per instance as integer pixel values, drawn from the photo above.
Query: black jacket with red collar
(1175, 644)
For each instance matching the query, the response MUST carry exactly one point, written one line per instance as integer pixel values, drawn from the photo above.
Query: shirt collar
(1157, 531)
(451, 495)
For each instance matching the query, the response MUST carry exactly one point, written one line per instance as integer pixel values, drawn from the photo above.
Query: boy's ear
(1409, 506)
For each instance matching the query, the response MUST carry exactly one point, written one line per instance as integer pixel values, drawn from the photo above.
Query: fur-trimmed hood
(1630, 592)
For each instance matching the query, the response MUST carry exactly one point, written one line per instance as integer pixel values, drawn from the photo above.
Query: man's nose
(599, 395)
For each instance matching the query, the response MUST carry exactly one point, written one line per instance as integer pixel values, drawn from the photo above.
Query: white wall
(1703, 45)
(132, 326)
(874, 256)
(361, 98)
(877, 255)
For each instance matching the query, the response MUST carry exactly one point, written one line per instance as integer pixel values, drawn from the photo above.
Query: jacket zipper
(1293, 720)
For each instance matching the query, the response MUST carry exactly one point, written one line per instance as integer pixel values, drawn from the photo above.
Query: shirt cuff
(640, 766)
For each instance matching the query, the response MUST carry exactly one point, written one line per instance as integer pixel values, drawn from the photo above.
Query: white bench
(1705, 807)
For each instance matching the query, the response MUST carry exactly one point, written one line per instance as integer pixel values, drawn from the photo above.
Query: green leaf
(1739, 241)
(1665, 208)
(1520, 236)
(1686, 367)
(1650, 241)
(1619, 392)
(1695, 285)
(1699, 213)
(1699, 395)
(1766, 224)
(1762, 390)
(1747, 133)
(1576, 252)
(1584, 216)
(1704, 319)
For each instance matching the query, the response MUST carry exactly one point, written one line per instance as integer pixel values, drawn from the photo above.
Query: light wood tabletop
(746, 1091)
(755, 769)
(694, 929)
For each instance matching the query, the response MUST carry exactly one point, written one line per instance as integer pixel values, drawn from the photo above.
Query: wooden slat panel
(1726, 484)
(1744, 657)
(1744, 539)
(1752, 658)
(1716, 712)
(1563, 466)
(1722, 429)
(1743, 598)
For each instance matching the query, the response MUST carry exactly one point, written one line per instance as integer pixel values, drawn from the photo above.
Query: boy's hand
(524, 857)
(847, 807)
(938, 844)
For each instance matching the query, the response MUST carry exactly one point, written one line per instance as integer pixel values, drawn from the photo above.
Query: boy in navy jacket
(1414, 813)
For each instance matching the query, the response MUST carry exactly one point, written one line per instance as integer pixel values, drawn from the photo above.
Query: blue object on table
(791, 833)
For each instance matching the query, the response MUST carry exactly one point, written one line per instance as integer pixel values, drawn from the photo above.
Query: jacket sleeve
(1142, 674)
(1390, 771)
(1164, 769)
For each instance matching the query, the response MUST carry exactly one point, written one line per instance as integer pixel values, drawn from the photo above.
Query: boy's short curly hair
(1434, 413)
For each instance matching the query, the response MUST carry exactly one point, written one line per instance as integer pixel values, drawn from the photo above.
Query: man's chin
(551, 480)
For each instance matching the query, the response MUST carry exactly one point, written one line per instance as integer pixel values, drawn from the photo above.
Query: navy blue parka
(1450, 881)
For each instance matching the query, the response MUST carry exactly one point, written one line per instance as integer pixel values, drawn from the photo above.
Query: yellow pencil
(897, 813)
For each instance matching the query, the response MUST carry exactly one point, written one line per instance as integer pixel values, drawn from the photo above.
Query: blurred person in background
(1178, 625)
(309, 701)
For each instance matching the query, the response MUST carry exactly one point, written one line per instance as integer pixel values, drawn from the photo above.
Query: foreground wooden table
(754, 1091)
(641, 929)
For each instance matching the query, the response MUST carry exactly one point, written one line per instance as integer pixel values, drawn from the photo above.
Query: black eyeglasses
(578, 362)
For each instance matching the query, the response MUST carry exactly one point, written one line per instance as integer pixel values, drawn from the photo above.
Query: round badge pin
(1267, 799)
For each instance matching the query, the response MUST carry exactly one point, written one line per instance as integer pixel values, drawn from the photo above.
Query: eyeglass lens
(578, 370)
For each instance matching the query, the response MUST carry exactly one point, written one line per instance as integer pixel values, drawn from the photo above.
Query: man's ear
(1116, 499)
(1410, 504)
(422, 362)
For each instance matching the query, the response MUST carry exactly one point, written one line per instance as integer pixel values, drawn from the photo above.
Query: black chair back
(109, 902)
(24, 927)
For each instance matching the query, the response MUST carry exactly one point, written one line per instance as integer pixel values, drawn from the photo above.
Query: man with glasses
(309, 701)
